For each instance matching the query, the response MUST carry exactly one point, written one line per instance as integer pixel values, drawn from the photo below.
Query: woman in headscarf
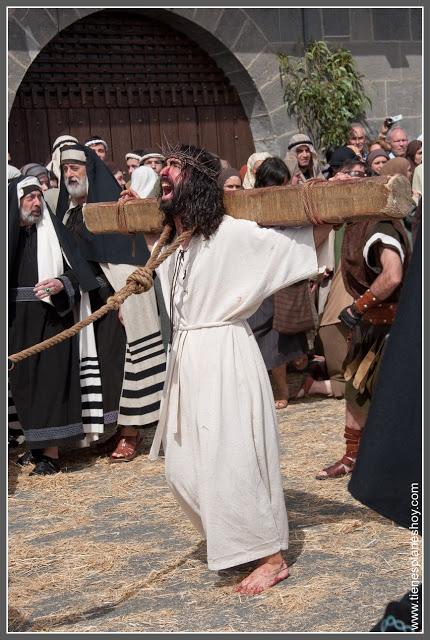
(229, 179)
(254, 161)
(302, 159)
(376, 160)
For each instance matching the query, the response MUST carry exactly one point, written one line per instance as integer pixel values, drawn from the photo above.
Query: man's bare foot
(270, 570)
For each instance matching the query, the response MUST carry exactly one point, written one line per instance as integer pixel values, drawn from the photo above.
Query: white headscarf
(249, 179)
(59, 143)
(144, 181)
(49, 254)
(12, 172)
(296, 141)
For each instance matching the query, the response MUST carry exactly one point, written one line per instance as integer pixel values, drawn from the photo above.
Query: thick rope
(137, 282)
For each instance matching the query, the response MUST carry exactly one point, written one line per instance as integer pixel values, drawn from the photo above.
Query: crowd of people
(191, 356)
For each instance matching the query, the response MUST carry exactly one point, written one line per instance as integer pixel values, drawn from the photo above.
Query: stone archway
(232, 37)
(135, 82)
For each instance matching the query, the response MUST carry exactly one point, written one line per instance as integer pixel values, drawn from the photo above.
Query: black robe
(109, 333)
(45, 387)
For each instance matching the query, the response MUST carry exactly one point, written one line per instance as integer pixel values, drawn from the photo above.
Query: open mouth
(166, 190)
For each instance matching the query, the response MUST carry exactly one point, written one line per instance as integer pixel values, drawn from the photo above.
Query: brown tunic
(357, 274)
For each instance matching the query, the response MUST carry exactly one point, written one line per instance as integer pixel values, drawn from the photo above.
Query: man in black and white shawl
(85, 178)
(47, 274)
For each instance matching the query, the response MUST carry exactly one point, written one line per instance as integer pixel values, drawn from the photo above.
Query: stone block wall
(386, 43)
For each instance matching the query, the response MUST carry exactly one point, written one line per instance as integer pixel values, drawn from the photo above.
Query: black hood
(102, 187)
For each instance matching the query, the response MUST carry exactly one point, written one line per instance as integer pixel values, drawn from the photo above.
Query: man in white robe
(218, 423)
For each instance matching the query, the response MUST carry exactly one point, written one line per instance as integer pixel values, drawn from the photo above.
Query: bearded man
(218, 423)
(52, 194)
(302, 159)
(136, 384)
(46, 277)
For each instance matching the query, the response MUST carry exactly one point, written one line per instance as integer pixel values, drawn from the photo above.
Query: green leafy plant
(323, 91)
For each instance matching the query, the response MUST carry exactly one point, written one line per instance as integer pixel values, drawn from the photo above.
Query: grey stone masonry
(244, 42)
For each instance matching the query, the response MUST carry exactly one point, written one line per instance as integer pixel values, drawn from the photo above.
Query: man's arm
(390, 276)
(380, 289)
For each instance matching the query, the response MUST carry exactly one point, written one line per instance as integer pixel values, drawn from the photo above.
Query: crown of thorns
(186, 156)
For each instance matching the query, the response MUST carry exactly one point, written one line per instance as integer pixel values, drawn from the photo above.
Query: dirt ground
(104, 548)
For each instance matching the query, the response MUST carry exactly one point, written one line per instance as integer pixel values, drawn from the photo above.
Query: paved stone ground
(105, 548)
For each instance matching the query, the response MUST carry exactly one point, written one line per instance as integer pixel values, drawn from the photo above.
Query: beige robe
(217, 421)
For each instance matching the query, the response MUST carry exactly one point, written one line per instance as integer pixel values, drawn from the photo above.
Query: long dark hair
(272, 172)
(411, 151)
(197, 198)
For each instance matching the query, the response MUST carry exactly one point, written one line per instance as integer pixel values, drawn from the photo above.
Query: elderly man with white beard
(47, 275)
(137, 367)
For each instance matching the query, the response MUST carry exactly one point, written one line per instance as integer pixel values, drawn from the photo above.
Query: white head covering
(249, 179)
(59, 143)
(132, 156)
(49, 254)
(144, 181)
(12, 172)
(96, 140)
(301, 140)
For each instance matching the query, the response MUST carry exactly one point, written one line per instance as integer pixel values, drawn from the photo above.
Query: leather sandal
(346, 464)
(127, 447)
(341, 468)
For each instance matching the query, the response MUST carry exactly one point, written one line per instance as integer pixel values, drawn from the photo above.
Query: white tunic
(218, 423)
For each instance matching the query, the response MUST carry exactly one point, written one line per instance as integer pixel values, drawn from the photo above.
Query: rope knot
(310, 205)
(140, 280)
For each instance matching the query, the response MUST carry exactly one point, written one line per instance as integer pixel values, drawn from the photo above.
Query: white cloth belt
(171, 390)
(210, 325)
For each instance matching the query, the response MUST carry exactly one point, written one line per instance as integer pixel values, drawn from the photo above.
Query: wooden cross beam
(333, 202)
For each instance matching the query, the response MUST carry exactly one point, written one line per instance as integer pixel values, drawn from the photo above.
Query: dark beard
(171, 207)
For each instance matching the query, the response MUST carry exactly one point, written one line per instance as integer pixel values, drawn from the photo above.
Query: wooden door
(135, 82)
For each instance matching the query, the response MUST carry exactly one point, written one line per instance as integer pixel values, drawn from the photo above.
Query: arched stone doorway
(133, 80)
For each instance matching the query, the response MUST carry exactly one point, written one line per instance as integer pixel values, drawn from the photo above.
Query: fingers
(48, 287)
(128, 194)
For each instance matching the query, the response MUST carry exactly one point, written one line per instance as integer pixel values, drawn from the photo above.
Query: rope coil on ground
(139, 281)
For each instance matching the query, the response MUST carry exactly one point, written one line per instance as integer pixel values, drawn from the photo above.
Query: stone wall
(386, 44)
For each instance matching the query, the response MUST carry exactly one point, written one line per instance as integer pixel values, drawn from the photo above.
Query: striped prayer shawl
(144, 374)
(145, 364)
(93, 419)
